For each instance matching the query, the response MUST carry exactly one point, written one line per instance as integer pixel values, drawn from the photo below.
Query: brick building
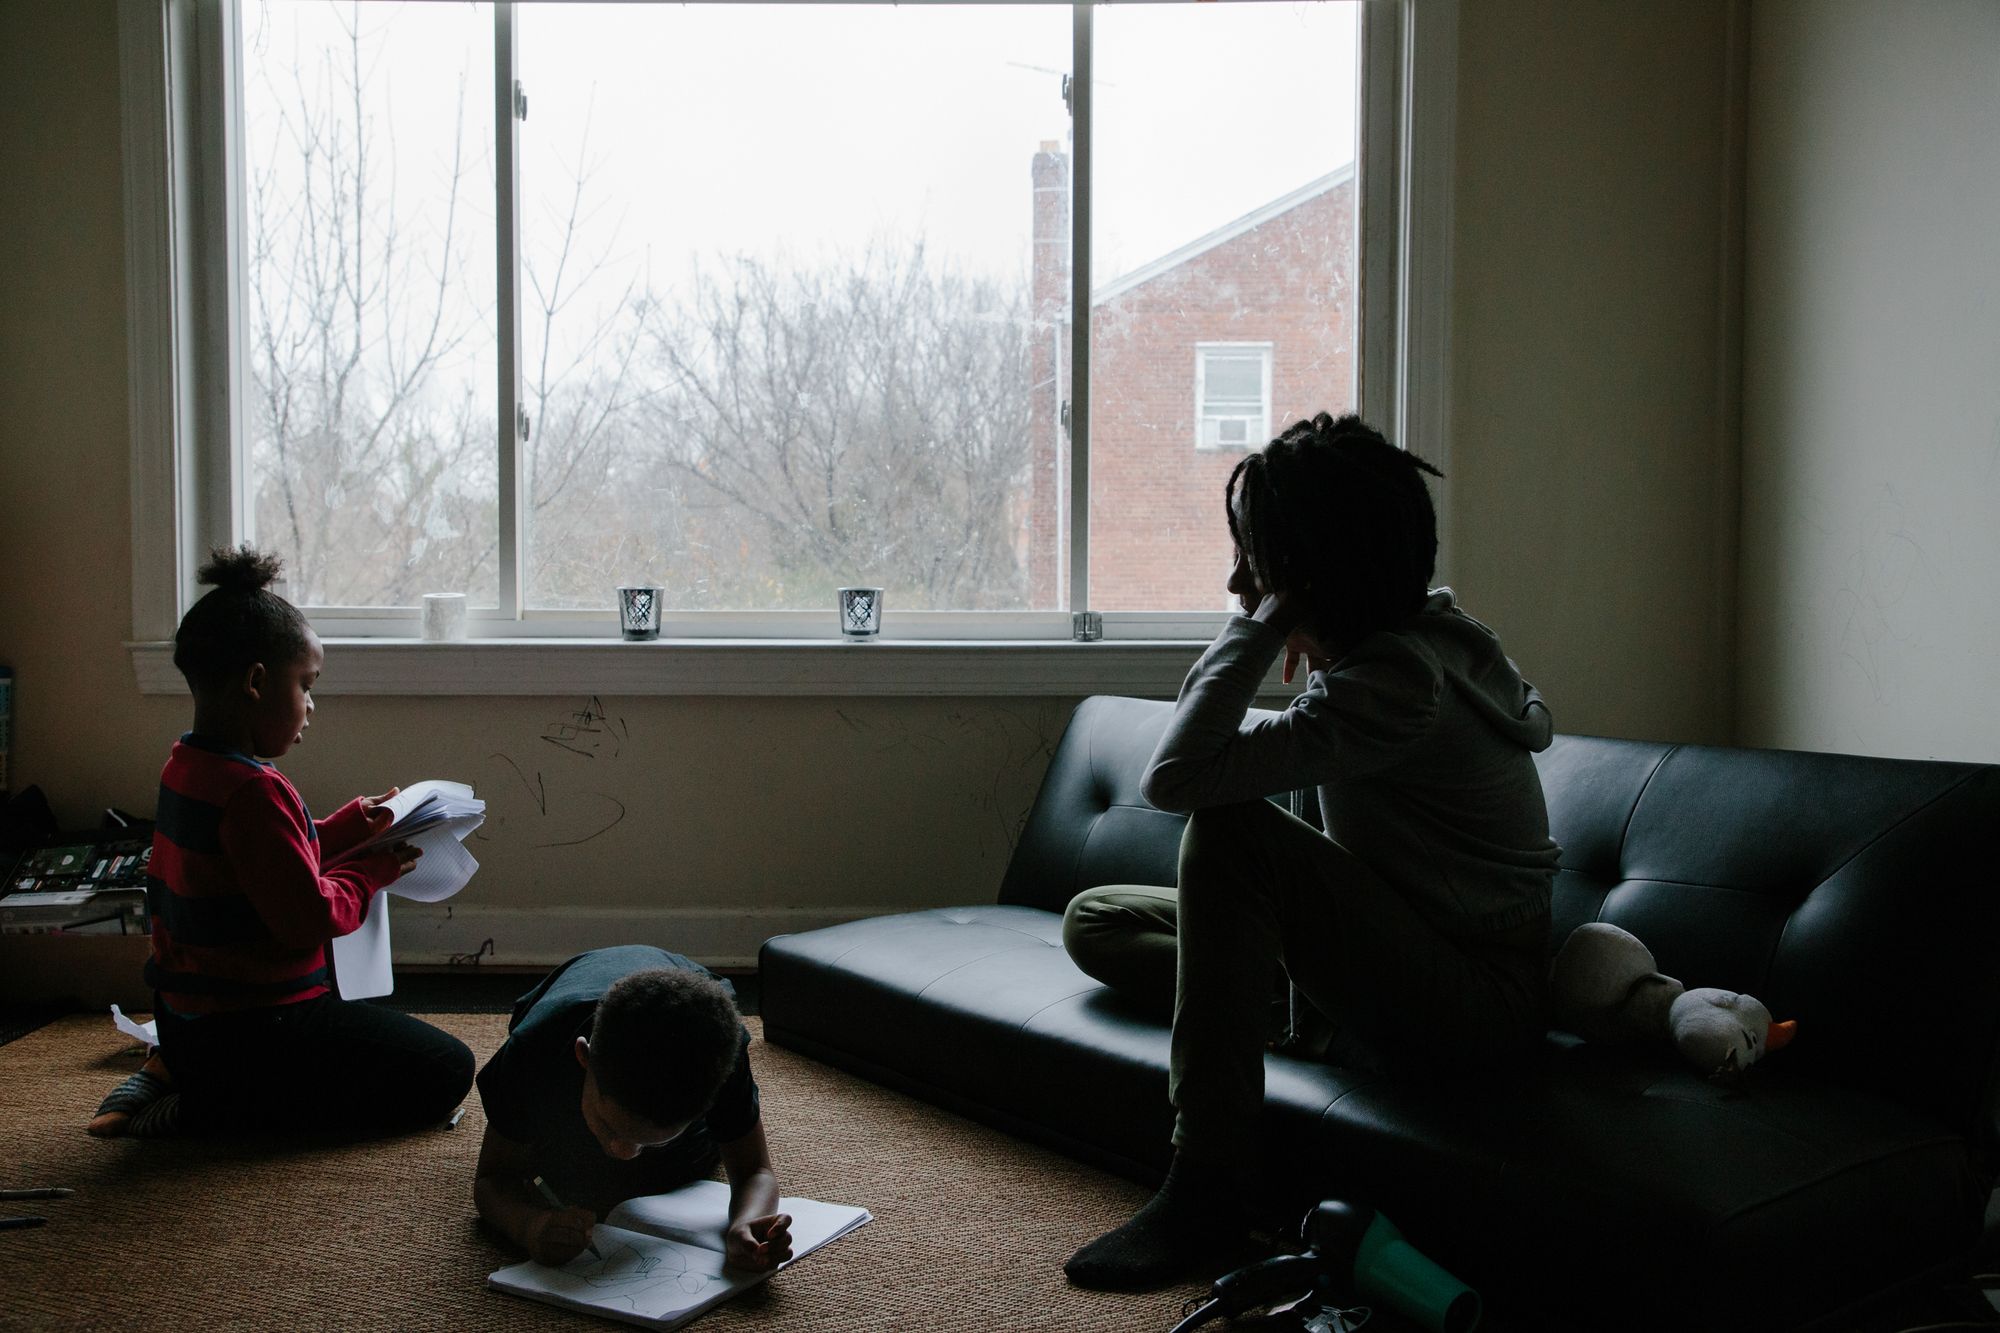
(1197, 357)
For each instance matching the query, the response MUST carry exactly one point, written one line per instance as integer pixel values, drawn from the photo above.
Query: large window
(753, 301)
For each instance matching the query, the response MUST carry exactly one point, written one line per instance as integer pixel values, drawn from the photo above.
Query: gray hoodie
(1419, 741)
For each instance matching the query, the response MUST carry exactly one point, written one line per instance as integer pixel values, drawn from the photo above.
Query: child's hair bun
(240, 569)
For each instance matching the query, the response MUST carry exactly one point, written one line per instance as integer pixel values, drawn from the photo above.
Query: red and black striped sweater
(241, 907)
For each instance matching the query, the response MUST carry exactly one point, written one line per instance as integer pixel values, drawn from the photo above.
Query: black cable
(1204, 1312)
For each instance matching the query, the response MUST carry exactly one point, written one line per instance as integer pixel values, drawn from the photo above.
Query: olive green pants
(1264, 895)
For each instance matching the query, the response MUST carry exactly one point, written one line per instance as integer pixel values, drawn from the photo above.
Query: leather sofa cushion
(1608, 1174)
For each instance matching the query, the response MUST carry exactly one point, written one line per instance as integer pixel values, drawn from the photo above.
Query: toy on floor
(1605, 986)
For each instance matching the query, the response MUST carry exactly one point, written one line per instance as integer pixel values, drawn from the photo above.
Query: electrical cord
(1202, 1313)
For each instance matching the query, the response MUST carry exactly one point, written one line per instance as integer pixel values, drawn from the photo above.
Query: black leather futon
(1606, 1186)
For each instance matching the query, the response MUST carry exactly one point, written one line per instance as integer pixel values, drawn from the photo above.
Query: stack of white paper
(434, 817)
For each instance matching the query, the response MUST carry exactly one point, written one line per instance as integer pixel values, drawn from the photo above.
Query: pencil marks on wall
(566, 815)
(612, 813)
(589, 731)
(1022, 738)
(538, 791)
(1026, 741)
(1888, 557)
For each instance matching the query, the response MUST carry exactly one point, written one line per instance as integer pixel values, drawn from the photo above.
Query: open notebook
(662, 1257)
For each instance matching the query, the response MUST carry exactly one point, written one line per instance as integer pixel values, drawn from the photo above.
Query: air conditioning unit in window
(1231, 432)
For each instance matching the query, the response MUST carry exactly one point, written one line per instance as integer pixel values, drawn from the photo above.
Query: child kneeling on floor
(252, 1041)
(626, 1072)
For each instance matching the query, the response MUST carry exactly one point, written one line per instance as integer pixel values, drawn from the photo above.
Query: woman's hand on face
(1284, 610)
(1280, 610)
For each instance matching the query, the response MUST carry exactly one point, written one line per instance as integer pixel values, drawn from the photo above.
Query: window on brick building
(1232, 388)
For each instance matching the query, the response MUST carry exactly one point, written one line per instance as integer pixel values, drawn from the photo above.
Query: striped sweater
(240, 907)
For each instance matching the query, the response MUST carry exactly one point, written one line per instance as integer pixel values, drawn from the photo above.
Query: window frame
(183, 186)
(1202, 352)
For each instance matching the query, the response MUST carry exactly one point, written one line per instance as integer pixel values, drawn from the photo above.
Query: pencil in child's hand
(549, 1193)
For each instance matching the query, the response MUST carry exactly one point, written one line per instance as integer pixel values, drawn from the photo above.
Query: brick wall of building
(1158, 536)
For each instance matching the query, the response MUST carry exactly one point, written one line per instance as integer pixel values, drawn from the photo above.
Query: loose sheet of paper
(361, 959)
(147, 1032)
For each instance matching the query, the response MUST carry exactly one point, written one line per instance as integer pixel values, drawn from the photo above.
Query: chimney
(1051, 230)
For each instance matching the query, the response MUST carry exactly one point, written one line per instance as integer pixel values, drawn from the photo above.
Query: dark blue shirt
(532, 1088)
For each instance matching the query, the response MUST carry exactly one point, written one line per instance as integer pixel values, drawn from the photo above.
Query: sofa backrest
(1853, 894)
(1856, 895)
(1089, 825)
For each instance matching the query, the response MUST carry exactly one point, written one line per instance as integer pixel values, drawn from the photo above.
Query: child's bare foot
(134, 1095)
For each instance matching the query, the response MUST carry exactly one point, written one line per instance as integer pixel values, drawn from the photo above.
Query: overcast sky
(790, 131)
(715, 129)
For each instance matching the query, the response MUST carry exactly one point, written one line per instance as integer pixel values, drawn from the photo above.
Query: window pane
(368, 299)
(1237, 379)
(782, 329)
(1216, 219)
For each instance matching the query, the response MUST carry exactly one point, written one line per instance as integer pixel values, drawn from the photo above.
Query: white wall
(1593, 458)
(1871, 519)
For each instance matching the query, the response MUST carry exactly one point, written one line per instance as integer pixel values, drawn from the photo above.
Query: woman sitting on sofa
(1421, 924)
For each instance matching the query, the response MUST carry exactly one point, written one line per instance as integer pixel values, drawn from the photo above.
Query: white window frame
(1261, 428)
(183, 184)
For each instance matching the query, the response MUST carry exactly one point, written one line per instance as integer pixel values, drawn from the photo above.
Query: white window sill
(771, 667)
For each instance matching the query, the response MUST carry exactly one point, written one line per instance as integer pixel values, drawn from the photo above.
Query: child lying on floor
(626, 1072)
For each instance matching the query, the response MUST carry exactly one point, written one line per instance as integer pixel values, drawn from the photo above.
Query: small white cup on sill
(444, 617)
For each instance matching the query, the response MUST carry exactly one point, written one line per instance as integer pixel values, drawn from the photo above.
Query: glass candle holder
(860, 612)
(639, 612)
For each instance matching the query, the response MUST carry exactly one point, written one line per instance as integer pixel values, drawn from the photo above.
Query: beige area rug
(970, 1231)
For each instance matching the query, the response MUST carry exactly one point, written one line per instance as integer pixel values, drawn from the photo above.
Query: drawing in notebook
(435, 816)
(651, 1275)
(662, 1261)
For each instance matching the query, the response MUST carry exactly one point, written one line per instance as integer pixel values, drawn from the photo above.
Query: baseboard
(444, 933)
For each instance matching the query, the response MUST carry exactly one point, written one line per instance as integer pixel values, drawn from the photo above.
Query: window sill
(768, 667)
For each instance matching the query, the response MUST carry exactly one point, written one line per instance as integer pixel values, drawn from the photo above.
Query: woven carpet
(970, 1231)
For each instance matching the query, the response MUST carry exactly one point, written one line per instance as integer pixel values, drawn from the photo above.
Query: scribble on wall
(615, 817)
(1024, 738)
(572, 818)
(589, 731)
